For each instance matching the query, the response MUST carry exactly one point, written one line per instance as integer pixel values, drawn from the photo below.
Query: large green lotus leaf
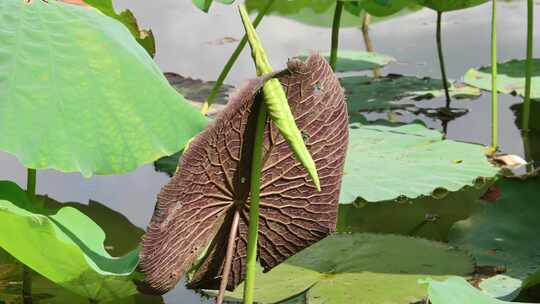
(86, 98)
(456, 290)
(426, 216)
(351, 61)
(388, 162)
(144, 37)
(360, 268)
(66, 247)
(449, 5)
(505, 233)
(395, 91)
(510, 78)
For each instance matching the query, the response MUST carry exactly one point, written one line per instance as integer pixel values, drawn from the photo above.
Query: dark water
(183, 34)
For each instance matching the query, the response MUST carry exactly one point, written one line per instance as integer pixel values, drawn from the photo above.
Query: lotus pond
(401, 188)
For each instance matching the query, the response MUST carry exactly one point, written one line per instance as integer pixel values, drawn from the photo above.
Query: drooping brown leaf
(195, 210)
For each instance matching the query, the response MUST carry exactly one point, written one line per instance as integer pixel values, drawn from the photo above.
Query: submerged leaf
(66, 247)
(86, 98)
(197, 91)
(396, 91)
(360, 268)
(196, 208)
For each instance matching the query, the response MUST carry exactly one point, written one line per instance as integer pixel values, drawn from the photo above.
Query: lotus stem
(335, 34)
(528, 67)
(27, 272)
(227, 68)
(441, 60)
(366, 19)
(494, 105)
(255, 188)
(228, 257)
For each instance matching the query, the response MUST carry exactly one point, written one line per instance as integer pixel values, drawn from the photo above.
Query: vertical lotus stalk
(494, 106)
(227, 68)
(441, 59)
(27, 272)
(335, 34)
(528, 67)
(366, 19)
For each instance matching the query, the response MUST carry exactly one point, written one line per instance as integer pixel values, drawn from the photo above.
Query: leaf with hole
(195, 210)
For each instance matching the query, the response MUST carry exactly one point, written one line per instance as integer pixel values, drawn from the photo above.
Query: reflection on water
(183, 32)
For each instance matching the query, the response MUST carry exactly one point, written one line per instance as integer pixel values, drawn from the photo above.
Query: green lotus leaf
(388, 162)
(510, 78)
(318, 13)
(351, 61)
(449, 5)
(65, 247)
(456, 290)
(505, 233)
(359, 268)
(425, 216)
(86, 98)
(144, 37)
(395, 91)
(383, 8)
(204, 5)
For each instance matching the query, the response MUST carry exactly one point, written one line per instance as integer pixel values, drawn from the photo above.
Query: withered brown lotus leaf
(194, 211)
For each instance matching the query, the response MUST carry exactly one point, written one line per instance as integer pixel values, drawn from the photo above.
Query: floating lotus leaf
(426, 216)
(359, 268)
(396, 91)
(409, 161)
(350, 61)
(197, 91)
(195, 210)
(449, 5)
(510, 78)
(66, 247)
(456, 290)
(85, 98)
(505, 233)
